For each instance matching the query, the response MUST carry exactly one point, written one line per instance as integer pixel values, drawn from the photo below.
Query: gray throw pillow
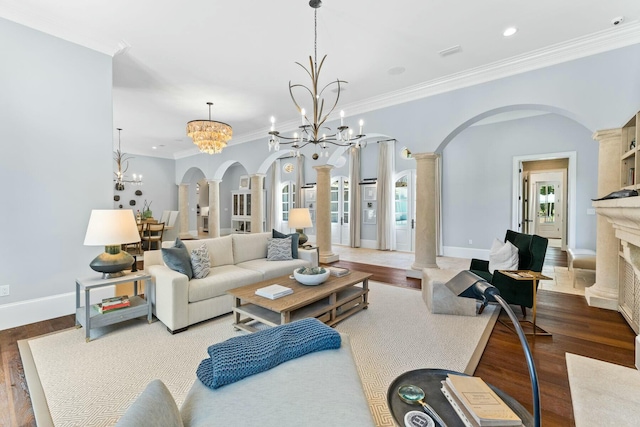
(178, 259)
(278, 249)
(155, 407)
(200, 262)
(294, 241)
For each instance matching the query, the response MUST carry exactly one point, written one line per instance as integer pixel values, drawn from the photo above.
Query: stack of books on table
(114, 303)
(476, 404)
(338, 271)
(274, 291)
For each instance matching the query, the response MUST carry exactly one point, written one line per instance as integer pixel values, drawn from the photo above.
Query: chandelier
(210, 136)
(122, 160)
(311, 129)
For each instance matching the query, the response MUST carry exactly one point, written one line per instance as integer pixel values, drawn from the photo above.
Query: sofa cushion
(220, 280)
(220, 249)
(178, 259)
(249, 246)
(330, 376)
(295, 239)
(200, 262)
(279, 249)
(155, 407)
(271, 270)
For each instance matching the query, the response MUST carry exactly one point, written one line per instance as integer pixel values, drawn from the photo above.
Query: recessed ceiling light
(395, 71)
(154, 147)
(510, 31)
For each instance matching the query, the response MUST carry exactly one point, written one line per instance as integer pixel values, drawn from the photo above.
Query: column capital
(424, 156)
(323, 168)
(260, 175)
(184, 184)
(607, 134)
(214, 180)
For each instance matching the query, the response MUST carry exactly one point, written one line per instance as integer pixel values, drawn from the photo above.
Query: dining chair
(153, 234)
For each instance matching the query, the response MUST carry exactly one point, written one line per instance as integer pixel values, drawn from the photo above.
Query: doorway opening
(544, 197)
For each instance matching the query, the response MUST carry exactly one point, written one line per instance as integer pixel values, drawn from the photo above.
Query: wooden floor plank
(576, 327)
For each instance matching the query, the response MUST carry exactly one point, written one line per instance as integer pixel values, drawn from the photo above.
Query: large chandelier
(210, 136)
(122, 160)
(311, 129)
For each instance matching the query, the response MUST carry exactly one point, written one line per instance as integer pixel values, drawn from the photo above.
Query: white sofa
(319, 389)
(236, 260)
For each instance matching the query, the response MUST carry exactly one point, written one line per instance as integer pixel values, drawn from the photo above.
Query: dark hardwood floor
(576, 328)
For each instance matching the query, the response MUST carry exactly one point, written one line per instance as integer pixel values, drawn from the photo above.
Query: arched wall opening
(478, 183)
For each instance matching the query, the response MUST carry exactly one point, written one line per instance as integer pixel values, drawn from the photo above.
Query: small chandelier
(122, 160)
(210, 136)
(311, 128)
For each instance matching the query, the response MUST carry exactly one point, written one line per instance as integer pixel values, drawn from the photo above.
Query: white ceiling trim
(24, 15)
(603, 41)
(562, 52)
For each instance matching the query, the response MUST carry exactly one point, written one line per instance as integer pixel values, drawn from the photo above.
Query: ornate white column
(257, 202)
(323, 214)
(426, 215)
(183, 208)
(214, 207)
(604, 293)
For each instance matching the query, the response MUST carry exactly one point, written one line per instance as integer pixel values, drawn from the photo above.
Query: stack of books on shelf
(476, 404)
(114, 303)
(338, 271)
(274, 291)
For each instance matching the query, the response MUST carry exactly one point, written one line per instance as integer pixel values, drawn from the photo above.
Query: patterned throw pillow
(278, 249)
(200, 262)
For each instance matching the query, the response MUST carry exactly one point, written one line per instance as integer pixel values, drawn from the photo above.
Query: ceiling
(170, 58)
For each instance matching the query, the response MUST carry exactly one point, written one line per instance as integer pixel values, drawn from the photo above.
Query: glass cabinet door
(235, 204)
(248, 198)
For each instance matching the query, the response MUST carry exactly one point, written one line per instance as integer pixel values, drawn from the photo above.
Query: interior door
(340, 210)
(405, 202)
(549, 215)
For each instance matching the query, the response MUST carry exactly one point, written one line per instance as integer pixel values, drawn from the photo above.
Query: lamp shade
(111, 227)
(300, 218)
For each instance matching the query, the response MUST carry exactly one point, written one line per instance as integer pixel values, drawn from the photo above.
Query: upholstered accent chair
(531, 252)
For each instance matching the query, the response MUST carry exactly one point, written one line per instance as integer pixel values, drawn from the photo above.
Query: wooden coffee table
(330, 302)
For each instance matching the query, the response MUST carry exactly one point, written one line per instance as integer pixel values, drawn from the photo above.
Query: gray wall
(57, 161)
(158, 187)
(477, 177)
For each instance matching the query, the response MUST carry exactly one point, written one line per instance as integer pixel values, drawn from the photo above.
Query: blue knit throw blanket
(240, 357)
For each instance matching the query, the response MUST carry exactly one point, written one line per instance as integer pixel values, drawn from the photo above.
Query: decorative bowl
(311, 276)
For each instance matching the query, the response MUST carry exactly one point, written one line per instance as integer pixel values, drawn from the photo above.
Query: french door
(405, 203)
(549, 215)
(340, 210)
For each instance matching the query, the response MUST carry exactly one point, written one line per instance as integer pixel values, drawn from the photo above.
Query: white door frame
(570, 215)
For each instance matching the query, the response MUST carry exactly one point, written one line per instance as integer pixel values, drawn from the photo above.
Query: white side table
(89, 317)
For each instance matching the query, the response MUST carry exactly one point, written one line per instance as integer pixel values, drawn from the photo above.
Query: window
(288, 198)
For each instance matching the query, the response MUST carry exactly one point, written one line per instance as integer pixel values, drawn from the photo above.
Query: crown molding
(24, 15)
(577, 48)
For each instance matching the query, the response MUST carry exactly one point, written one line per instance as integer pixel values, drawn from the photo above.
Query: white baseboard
(457, 252)
(38, 309)
(368, 244)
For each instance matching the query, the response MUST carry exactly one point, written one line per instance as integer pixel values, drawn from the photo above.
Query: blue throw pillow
(294, 241)
(178, 259)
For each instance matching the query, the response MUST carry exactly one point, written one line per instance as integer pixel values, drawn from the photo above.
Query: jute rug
(94, 383)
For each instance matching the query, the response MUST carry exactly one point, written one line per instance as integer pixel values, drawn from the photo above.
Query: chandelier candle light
(209, 135)
(310, 128)
(123, 160)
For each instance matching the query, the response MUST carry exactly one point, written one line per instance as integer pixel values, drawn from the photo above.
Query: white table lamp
(111, 229)
(300, 218)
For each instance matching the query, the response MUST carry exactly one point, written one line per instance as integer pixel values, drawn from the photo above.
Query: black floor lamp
(469, 285)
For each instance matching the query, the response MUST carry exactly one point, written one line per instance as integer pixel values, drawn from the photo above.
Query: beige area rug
(603, 394)
(94, 383)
